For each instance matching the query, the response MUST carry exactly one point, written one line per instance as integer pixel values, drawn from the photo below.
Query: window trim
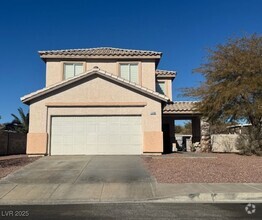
(130, 63)
(71, 62)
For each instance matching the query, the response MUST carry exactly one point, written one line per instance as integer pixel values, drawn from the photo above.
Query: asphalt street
(133, 211)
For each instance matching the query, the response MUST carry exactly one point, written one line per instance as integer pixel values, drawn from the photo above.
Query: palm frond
(21, 123)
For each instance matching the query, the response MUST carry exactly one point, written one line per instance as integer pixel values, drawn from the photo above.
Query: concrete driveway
(82, 170)
(76, 178)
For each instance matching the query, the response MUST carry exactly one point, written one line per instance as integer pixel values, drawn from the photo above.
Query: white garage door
(96, 135)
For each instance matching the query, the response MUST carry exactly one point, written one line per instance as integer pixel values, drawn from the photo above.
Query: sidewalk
(11, 193)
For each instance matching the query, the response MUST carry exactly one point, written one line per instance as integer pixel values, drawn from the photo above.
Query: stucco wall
(54, 70)
(109, 66)
(169, 89)
(224, 142)
(148, 75)
(97, 89)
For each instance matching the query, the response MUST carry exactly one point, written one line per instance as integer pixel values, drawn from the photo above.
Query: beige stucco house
(104, 101)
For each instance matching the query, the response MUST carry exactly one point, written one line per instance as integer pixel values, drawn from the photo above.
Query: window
(161, 87)
(129, 72)
(72, 69)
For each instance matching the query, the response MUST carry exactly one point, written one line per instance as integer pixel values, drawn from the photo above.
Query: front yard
(9, 164)
(205, 168)
(182, 167)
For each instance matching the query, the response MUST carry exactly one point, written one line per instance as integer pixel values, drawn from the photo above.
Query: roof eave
(182, 112)
(166, 77)
(27, 100)
(44, 57)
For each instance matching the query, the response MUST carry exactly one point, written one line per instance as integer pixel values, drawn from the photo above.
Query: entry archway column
(205, 136)
(196, 130)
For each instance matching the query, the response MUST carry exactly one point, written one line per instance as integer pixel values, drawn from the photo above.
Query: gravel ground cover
(10, 165)
(205, 168)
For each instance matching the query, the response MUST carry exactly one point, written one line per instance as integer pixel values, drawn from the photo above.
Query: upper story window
(72, 69)
(161, 87)
(129, 71)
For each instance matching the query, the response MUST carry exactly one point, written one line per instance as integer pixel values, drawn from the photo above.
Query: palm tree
(19, 124)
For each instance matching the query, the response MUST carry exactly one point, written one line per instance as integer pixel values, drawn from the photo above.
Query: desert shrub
(250, 142)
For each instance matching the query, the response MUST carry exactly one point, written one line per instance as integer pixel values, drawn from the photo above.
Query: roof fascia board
(86, 75)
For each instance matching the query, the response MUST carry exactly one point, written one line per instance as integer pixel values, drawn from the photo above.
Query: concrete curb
(190, 198)
(213, 198)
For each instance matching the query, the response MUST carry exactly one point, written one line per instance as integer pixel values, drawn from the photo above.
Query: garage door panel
(114, 120)
(78, 129)
(102, 139)
(67, 129)
(114, 130)
(81, 140)
(96, 135)
(113, 139)
(102, 128)
(135, 139)
(134, 129)
(58, 140)
(68, 139)
(91, 138)
(108, 149)
(66, 149)
(90, 127)
(89, 149)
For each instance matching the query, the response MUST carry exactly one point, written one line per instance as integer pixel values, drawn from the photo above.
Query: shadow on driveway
(82, 169)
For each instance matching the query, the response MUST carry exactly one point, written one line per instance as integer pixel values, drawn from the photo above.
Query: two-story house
(103, 101)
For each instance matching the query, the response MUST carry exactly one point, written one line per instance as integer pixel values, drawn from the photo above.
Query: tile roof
(166, 73)
(99, 52)
(180, 107)
(95, 70)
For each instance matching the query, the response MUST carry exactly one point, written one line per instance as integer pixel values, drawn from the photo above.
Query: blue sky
(182, 30)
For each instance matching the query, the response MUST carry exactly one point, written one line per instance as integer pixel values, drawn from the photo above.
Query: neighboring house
(105, 101)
